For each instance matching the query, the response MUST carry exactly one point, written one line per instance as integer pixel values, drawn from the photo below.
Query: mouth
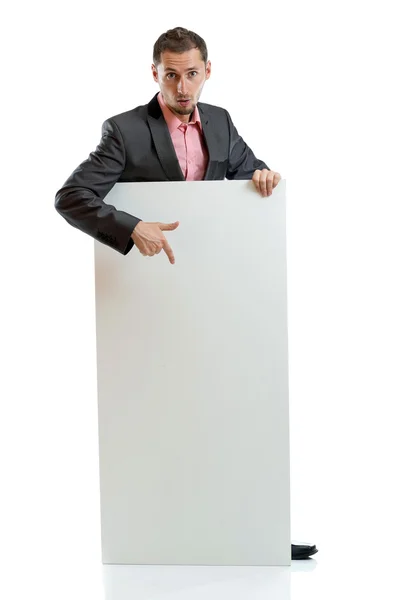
(183, 102)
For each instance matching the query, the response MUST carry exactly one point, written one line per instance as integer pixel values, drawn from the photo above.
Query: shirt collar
(172, 120)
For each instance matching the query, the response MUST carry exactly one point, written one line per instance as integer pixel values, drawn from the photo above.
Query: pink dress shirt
(188, 141)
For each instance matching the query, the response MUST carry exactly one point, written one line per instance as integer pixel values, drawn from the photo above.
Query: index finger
(168, 252)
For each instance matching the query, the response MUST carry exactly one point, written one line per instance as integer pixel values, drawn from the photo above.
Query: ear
(155, 74)
(208, 69)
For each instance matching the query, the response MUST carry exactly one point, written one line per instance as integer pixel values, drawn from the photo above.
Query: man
(172, 138)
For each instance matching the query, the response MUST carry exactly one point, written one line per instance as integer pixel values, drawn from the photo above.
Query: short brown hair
(179, 40)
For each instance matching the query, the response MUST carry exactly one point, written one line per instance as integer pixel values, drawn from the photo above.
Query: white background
(311, 87)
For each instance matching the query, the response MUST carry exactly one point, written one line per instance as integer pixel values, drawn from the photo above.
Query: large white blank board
(193, 380)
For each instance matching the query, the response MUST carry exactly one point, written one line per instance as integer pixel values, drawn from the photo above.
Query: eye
(195, 72)
(169, 75)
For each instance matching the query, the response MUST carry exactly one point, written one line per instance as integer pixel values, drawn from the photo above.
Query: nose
(182, 86)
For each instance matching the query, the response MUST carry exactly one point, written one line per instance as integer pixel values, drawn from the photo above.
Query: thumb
(168, 226)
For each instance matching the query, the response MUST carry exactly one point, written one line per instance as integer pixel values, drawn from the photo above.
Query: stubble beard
(185, 110)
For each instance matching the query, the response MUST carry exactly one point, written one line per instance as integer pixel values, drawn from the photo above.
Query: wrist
(133, 230)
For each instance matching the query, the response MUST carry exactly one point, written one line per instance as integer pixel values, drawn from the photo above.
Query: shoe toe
(303, 551)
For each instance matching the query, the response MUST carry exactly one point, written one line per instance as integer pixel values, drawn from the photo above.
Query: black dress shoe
(302, 551)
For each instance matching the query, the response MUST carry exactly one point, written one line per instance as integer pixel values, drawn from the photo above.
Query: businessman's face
(181, 78)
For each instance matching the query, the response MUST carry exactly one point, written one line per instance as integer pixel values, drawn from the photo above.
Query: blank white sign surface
(193, 380)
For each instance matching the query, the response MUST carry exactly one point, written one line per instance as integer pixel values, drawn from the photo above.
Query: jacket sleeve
(80, 199)
(241, 162)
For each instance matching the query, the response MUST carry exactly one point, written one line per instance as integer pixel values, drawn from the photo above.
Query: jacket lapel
(162, 142)
(211, 143)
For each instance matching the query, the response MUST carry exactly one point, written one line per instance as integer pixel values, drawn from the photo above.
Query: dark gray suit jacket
(136, 146)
